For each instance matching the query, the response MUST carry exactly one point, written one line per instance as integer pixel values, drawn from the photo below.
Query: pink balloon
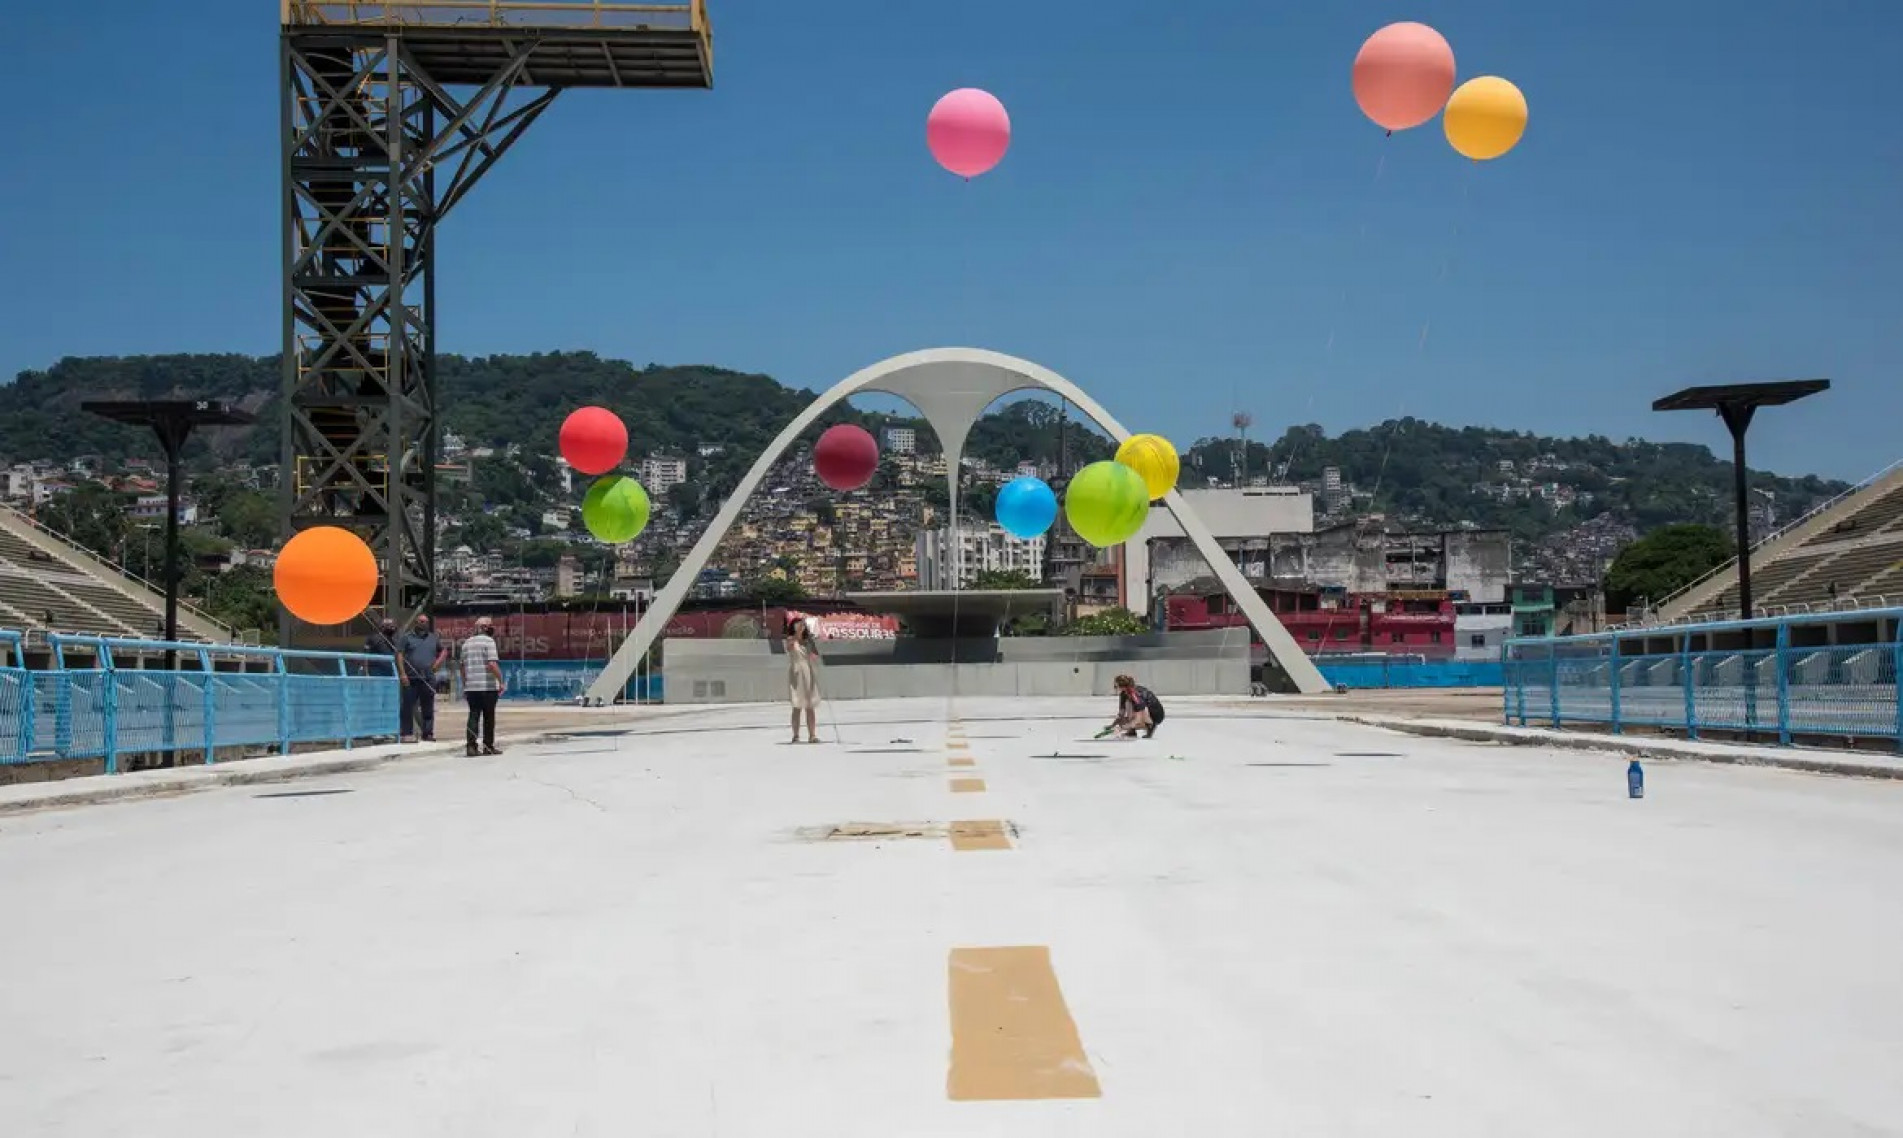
(1404, 75)
(968, 131)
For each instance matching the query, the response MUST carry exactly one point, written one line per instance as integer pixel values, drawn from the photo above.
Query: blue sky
(1188, 219)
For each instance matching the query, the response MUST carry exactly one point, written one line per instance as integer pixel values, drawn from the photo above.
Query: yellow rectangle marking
(967, 785)
(963, 761)
(1012, 1036)
(987, 835)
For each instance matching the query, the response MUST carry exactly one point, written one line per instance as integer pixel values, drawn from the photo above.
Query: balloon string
(1382, 472)
(1447, 263)
(1354, 260)
(1453, 235)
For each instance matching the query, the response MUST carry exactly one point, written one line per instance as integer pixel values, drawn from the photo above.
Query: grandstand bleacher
(48, 585)
(1846, 555)
(1878, 516)
(1889, 582)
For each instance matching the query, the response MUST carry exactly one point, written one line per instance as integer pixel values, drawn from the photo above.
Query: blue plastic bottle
(1635, 780)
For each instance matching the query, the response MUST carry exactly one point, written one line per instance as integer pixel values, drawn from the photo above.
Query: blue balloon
(1026, 507)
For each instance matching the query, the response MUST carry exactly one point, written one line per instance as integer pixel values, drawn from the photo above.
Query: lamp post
(173, 421)
(1736, 404)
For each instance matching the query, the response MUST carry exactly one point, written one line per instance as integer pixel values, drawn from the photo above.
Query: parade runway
(973, 921)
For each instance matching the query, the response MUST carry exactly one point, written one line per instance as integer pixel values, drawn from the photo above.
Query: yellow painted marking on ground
(1012, 1036)
(982, 835)
(967, 785)
(964, 761)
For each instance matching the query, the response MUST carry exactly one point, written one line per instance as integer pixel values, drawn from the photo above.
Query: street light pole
(173, 422)
(1737, 404)
(172, 434)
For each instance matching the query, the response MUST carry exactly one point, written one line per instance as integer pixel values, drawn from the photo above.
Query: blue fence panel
(1842, 690)
(245, 708)
(315, 707)
(375, 704)
(160, 712)
(80, 720)
(1735, 691)
(1650, 694)
(1785, 690)
(1402, 672)
(16, 722)
(52, 710)
(1583, 682)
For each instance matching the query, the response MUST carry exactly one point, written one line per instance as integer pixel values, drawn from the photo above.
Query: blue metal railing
(1768, 682)
(91, 705)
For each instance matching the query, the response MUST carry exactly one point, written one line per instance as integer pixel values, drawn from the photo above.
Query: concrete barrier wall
(1003, 650)
(754, 671)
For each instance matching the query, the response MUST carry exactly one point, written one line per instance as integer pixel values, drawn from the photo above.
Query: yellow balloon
(1155, 459)
(1485, 117)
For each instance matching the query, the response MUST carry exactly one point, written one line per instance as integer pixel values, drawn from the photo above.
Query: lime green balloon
(615, 510)
(1107, 503)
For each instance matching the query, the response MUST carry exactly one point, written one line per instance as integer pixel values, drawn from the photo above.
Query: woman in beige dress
(802, 677)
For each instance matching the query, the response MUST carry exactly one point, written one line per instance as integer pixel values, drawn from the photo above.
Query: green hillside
(1418, 470)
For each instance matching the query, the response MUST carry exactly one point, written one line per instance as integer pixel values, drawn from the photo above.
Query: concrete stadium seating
(47, 585)
(1847, 555)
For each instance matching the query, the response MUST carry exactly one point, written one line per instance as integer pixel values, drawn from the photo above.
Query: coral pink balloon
(593, 440)
(968, 131)
(1403, 75)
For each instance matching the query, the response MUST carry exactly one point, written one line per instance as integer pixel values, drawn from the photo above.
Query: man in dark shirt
(382, 643)
(419, 654)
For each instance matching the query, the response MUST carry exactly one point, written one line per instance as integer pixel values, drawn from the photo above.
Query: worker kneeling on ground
(1138, 709)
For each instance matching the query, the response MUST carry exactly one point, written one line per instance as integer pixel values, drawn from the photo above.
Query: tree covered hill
(1439, 474)
(1415, 469)
(494, 401)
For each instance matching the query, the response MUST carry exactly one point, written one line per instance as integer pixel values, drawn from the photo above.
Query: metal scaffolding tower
(391, 114)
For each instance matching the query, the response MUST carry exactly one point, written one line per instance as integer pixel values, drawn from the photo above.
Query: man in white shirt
(482, 686)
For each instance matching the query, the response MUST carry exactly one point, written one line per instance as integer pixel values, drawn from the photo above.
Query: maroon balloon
(845, 457)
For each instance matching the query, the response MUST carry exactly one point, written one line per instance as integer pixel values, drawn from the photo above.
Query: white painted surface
(621, 935)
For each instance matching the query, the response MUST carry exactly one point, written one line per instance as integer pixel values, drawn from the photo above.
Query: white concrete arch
(951, 387)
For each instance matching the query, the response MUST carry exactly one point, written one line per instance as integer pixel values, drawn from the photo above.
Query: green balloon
(615, 510)
(1107, 503)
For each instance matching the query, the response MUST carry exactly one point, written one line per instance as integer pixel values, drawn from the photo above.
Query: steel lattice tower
(391, 114)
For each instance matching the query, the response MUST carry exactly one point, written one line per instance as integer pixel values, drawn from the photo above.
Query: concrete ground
(1261, 922)
(1481, 704)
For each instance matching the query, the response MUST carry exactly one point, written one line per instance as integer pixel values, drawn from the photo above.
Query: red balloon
(845, 457)
(594, 440)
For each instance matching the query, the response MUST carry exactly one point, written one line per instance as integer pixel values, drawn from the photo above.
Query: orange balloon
(1403, 75)
(325, 575)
